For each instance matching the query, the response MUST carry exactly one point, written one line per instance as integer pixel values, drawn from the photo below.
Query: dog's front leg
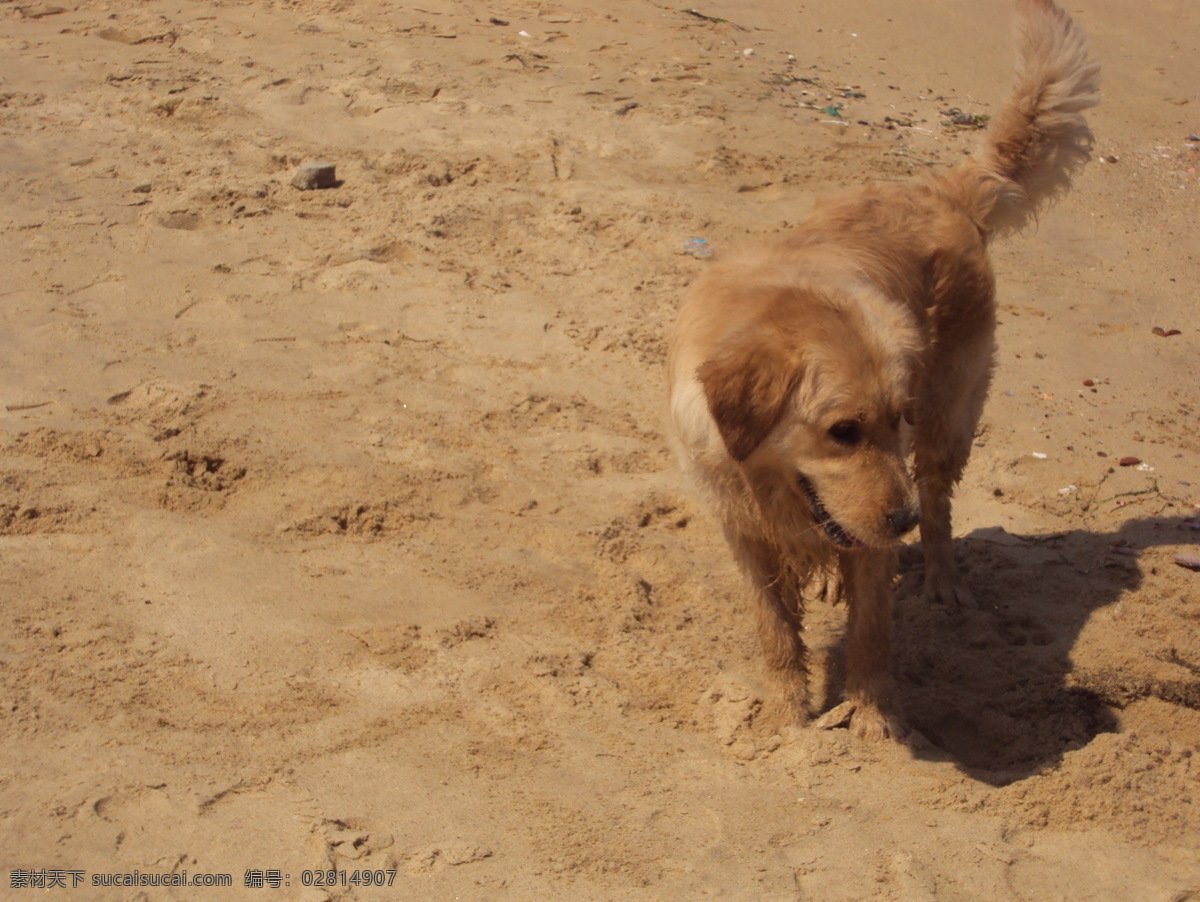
(870, 709)
(777, 587)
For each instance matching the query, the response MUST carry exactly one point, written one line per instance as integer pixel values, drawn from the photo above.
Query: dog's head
(809, 396)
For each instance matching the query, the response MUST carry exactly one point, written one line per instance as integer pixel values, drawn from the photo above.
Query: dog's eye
(846, 432)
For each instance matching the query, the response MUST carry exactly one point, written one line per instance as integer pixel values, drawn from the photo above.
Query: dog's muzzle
(833, 530)
(903, 519)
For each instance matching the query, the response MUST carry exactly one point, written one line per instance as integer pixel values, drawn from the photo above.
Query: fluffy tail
(1039, 138)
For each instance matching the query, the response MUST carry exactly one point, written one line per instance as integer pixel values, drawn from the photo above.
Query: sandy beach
(339, 530)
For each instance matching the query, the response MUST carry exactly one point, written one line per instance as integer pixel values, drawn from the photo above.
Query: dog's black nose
(902, 519)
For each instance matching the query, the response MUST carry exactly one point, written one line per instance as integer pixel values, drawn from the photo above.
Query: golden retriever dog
(806, 374)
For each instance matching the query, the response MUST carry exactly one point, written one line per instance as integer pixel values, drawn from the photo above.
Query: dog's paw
(825, 586)
(948, 590)
(865, 720)
(782, 709)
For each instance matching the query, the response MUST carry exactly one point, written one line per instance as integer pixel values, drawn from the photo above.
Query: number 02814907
(348, 878)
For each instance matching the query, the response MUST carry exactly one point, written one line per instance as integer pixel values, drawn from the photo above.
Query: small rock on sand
(315, 175)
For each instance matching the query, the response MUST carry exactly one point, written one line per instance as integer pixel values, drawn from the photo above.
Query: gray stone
(315, 175)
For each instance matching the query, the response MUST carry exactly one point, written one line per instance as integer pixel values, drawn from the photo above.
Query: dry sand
(337, 528)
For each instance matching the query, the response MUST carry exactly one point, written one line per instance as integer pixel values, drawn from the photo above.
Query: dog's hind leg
(777, 585)
(950, 408)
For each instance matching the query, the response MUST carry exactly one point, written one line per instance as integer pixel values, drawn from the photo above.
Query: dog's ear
(748, 384)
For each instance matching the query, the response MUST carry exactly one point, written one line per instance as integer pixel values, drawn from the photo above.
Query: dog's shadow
(995, 687)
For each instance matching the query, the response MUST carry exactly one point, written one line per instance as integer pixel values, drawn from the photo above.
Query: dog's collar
(833, 530)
